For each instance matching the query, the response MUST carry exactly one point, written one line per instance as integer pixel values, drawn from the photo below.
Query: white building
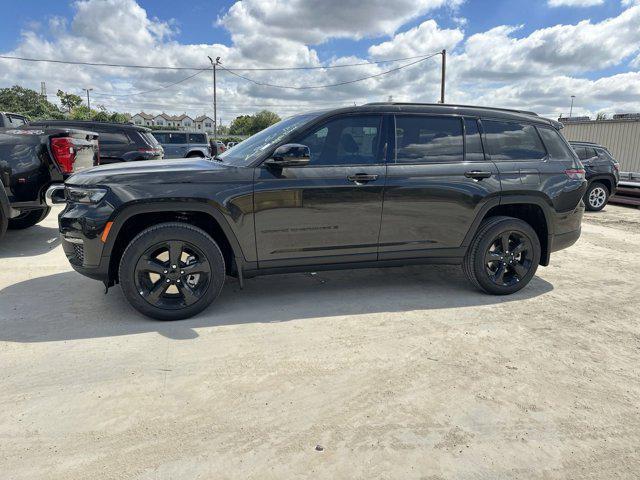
(181, 122)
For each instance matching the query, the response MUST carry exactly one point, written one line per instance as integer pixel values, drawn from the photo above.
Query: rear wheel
(28, 218)
(171, 271)
(596, 197)
(503, 256)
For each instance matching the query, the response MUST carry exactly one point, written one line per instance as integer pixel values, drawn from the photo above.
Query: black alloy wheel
(172, 275)
(508, 259)
(503, 256)
(171, 271)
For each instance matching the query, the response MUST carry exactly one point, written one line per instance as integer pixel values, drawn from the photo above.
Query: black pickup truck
(31, 161)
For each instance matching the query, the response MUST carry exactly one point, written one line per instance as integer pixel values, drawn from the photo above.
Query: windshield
(247, 151)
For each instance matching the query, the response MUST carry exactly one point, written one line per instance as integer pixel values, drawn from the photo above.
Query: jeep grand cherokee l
(377, 185)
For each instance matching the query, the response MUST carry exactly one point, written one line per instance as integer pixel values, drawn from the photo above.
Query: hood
(148, 172)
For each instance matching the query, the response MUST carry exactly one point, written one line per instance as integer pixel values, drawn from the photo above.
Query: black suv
(377, 185)
(119, 142)
(602, 173)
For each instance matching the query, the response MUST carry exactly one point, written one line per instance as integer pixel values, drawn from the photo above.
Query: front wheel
(596, 197)
(28, 218)
(171, 271)
(503, 256)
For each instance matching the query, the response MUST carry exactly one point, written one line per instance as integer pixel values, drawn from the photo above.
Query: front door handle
(362, 178)
(477, 174)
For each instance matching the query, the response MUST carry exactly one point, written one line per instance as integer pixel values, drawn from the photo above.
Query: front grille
(78, 250)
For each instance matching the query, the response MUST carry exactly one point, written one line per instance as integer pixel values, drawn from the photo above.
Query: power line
(247, 69)
(311, 87)
(103, 94)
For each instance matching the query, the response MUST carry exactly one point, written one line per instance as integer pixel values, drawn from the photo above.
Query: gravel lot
(401, 373)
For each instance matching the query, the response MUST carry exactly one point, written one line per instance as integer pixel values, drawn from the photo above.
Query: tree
(601, 116)
(252, 124)
(69, 100)
(262, 120)
(27, 102)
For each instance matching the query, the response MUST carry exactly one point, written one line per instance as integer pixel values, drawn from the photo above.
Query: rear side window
(557, 148)
(472, 142)
(160, 137)
(176, 138)
(197, 138)
(113, 138)
(585, 153)
(16, 121)
(423, 139)
(512, 141)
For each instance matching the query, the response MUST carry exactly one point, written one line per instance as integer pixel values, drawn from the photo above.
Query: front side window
(557, 148)
(512, 141)
(161, 137)
(422, 139)
(348, 140)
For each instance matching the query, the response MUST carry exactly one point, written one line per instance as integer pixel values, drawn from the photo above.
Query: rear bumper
(564, 240)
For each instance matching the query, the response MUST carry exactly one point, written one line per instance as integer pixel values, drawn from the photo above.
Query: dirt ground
(404, 373)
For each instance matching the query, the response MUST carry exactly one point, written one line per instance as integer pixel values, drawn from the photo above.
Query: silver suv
(183, 144)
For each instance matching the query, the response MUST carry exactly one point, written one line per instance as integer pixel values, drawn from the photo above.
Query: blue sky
(501, 50)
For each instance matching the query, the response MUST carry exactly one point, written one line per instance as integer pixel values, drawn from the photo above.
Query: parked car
(119, 142)
(602, 172)
(32, 160)
(493, 190)
(12, 120)
(183, 144)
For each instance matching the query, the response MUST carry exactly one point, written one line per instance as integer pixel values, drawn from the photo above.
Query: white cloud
(537, 71)
(575, 3)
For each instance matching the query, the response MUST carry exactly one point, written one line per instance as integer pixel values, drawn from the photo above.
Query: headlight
(84, 195)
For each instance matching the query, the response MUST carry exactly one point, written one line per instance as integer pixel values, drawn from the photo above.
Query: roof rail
(526, 112)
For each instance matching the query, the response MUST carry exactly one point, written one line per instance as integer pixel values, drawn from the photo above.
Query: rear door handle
(477, 174)
(362, 178)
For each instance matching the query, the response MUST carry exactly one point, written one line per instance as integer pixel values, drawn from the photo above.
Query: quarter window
(421, 139)
(512, 141)
(350, 140)
(557, 148)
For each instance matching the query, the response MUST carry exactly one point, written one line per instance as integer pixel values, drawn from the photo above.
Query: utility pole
(215, 103)
(444, 72)
(88, 100)
(571, 109)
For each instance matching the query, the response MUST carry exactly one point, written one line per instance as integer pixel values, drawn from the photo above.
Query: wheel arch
(532, 210)
(133, 219)
(607, 180)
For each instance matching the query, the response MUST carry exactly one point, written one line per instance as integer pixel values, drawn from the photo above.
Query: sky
(531, 55)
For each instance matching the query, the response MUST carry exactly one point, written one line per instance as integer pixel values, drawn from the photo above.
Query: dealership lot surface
(398, 373)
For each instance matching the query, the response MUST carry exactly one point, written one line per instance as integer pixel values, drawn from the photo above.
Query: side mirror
(290, 155)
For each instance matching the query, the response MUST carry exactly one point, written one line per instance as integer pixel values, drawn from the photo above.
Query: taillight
(64, 153)
(575, 173)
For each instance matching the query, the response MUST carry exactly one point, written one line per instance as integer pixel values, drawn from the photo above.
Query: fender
(604, 176)
(191, 205)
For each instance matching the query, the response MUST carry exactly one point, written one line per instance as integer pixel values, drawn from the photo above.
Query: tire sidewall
(30, 218)
(485, 242)
(160, 233)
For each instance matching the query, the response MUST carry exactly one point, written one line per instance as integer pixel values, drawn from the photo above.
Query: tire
(174, 295)
(28, 218)
(194, 155)
(596, 197)
(486, 256)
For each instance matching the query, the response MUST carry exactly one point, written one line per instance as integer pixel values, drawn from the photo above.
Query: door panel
(432, 199)
(306, 214)
(329, 210)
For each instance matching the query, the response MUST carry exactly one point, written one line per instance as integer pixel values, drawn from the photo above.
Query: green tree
(27, 102)
(262, 120)
(69, 100)
(251, 124)
(601, 116)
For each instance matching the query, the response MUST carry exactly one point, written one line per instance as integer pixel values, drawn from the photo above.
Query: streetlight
(571, 109)
(88, 100)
